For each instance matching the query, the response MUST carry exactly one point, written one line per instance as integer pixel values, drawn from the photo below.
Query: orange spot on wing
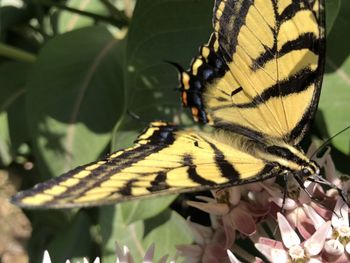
(195, 113)
(184, 98)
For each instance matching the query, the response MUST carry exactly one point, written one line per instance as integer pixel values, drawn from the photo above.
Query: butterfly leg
(285, 178)
(300, 179)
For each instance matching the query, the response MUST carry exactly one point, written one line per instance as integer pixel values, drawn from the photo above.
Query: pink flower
(232, 257)
(234, 213)
(123, 255)
(293, 207)
(209, 245)
(337, 246)
(292, 249)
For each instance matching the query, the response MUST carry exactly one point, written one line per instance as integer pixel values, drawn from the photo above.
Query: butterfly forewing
(162, 161)
(274, 55)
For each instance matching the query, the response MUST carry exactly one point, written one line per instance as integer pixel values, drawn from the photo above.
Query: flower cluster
(264, 221)
(313, 223)
(123, 255)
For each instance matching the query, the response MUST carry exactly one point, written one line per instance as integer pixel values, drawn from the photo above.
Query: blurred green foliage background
(70, 71)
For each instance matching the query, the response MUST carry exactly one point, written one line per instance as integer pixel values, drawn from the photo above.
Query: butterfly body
(256, 82)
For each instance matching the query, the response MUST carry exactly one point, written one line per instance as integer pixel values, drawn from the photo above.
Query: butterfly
(256, 82)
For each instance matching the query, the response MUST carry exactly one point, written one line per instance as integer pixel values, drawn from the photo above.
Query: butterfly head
(310, 169)
(292, 159)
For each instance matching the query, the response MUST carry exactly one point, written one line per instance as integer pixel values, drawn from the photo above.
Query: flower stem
(114, 20)
(16, 53)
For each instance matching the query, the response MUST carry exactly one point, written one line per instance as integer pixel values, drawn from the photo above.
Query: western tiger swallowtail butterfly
(257, 82)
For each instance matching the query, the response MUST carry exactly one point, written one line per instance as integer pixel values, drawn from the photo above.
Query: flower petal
(330, 171)
(232, 257)
(148, 258)
(289, 237)
(340, 216)
(230, 231)
(304, 197)
(315, 243)
(206, 199)
(46, 257)
(347, 248)
(215, 252)
(258, 260)
(314, 260)
(211, 208)
(273, 190)
(271, 242)
(288, 203)
(224, 237)
(243, 221)
(164, 260)
(334, 247)
(120, 254)
(200, 233)
(254, 187)
(317, 220)
(189, 250)
(234, 195)
(273, 254)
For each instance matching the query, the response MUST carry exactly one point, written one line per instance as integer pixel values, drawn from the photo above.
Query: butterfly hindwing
(266, 63)
(162, 161)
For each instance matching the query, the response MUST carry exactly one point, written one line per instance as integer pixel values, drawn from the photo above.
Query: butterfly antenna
(178, 67)
(325, 144)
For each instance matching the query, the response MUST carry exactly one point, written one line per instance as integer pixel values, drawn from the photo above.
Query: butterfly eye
(306, 171)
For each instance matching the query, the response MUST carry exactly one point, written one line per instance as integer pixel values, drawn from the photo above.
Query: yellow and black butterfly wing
(162, 161)
(260, 73)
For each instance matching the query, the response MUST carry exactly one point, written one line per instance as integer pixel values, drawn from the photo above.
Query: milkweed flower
(292, 248)
(293, 206)
(209, 247)
(337, 246)
(232, 257)
(47, 259)
(306, 232)
(123, 255)
(233, 212)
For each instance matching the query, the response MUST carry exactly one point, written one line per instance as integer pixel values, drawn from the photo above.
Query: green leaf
(5, 145)
(75, 97)
(12, 100)
(46, 224)
(13, 76)
(115, 229)
(334, 104)
(133, 211)
(73, 242)
(160, 30)
(332, 10)
(15, 53)
(166, 231)
(155, 35)
(68, 21)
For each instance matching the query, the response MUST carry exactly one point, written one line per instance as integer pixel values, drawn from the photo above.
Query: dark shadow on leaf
(338, 41)
(154, 222)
